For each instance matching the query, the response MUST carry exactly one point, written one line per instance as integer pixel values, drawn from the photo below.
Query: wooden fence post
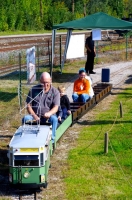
(38, 75)
(20, 81)
(106, 143)
(60, 49)
(121, 113)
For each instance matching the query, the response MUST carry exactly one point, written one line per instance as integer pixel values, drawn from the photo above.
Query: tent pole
(97, 50)
(126, 46)
(52, 51)
(60, 51)
(69, 32)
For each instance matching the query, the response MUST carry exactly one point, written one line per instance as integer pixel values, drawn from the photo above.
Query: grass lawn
(93, 175)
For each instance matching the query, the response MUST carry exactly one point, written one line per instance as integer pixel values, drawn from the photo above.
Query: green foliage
(42, 14)
(57, 14)
(3, 20)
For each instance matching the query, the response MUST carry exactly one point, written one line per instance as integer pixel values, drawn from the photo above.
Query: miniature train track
(13, 68)
(23, 42)
(5, 190)
(4, 187)
(116, 73)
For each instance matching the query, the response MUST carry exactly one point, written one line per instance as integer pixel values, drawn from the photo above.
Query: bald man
(42, 103)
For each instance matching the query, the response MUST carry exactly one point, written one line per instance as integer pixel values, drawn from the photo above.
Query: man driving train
(43, 101)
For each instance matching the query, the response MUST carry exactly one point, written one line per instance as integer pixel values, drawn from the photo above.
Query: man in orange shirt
(81, 88)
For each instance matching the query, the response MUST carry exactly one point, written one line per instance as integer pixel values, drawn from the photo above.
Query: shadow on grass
(5, 136)
(64, 78)
(101, 122)
(56, 76)
(6, 96)
(127, 95)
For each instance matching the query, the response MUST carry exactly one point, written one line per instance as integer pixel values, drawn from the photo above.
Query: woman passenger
(81, 90)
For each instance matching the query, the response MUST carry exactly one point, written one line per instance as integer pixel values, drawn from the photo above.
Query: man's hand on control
(47, 115)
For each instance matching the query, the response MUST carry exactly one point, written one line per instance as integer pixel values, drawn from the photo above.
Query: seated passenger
(64, 102)
(81, 90)
(43, 101)
(59, 115)
(91, 92)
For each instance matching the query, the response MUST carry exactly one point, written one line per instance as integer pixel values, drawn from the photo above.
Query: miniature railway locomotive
(29, 156)
(31, 147)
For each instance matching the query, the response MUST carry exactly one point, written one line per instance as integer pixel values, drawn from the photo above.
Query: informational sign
(31, 69)
(76, 47)
(96, 34)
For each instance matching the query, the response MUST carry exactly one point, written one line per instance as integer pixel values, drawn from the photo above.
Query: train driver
(43, 101)
(81, 89)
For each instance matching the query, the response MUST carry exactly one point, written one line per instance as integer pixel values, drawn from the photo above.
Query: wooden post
(60, 52)
(106, 143)
(38, 75)
(35, 195)
(49, 53)
(126, 46)
(72, 6)
(20, 80)
(121, 113)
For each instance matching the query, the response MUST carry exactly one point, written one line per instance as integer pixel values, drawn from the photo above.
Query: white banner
(76, 47)
(31, 69)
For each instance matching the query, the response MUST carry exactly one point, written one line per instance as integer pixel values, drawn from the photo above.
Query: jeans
(65, 114)
(53, 120)
(80, 98)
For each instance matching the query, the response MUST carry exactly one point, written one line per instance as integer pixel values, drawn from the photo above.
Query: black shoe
(92, 72)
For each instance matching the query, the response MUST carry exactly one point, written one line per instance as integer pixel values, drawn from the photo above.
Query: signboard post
(31, 69)
(96, 35)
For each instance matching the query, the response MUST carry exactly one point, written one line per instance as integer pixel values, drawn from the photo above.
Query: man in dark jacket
(89, 45)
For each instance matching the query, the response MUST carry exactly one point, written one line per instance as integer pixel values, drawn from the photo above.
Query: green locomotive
(29, 156)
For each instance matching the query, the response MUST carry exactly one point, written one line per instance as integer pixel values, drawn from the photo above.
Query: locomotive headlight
(26, 174)
(42, 178)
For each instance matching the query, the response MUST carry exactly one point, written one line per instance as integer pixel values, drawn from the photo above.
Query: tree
(73, 6)
(85, 3)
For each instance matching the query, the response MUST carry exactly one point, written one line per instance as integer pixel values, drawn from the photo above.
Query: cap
(82, 70)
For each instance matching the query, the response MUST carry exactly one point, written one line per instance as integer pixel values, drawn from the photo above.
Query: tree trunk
(41, 9)
(73, 6)
(84, 9)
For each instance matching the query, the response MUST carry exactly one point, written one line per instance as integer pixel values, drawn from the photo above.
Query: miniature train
(30, 148)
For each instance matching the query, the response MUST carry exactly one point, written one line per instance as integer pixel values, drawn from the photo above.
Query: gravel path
(119, 74)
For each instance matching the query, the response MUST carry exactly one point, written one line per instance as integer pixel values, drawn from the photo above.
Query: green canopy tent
(98, 20)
